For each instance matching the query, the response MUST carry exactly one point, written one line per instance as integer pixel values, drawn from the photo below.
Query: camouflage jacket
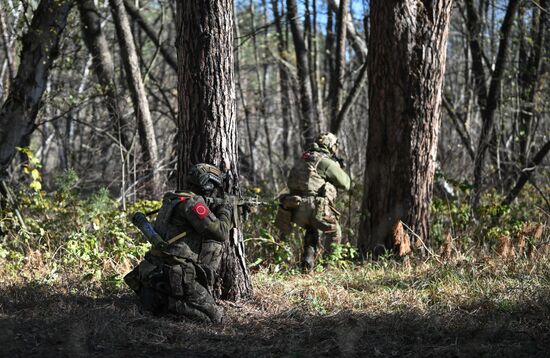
(316, 173)
(185, 221)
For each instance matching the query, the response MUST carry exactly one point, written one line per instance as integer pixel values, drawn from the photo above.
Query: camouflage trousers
(320, 220)
(174, 285)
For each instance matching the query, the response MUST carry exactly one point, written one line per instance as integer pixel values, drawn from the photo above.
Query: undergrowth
(63, 236)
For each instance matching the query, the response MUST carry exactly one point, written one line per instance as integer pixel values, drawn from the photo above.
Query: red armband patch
(307, 156)
(201, 210)
(182, 199)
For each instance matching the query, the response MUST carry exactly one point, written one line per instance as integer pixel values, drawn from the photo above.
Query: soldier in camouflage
(313, 184)
(179, 276)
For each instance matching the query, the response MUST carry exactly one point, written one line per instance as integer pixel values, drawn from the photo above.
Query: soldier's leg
(330, 237)
(311, 243)
(189, 297)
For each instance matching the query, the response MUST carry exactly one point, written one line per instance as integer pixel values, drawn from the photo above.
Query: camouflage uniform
(179, 278)
(313, 184)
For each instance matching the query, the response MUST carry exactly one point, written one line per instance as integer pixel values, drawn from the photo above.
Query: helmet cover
(205, 176)
(327, 140)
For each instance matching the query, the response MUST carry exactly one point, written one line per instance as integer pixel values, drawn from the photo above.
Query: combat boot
(308, 262)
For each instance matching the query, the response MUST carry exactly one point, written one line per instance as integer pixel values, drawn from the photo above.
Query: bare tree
(103, 66)
(166, 50)
(337, 76)
(130, 60)
(306, 107)
(487, 97)
(40, 49)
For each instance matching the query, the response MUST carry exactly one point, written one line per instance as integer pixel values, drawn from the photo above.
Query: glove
(340, 161)
(224, 209)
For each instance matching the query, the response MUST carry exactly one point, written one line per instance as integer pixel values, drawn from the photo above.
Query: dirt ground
(37, 321)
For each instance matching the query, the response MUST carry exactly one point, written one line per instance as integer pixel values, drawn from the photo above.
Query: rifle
(245, 203)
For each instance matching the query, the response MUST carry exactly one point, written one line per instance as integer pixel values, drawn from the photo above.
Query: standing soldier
(178, 273)
(313, 184)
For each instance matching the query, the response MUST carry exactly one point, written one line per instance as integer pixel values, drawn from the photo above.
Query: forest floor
(486, 307)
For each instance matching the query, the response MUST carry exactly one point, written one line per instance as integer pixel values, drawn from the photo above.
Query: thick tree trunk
(103, 67)
(306, 110)
(407, 52)
(40, 48)
(145, 126)
(207, 123)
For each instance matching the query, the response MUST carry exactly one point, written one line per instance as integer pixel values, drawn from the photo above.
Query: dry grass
(482, 307)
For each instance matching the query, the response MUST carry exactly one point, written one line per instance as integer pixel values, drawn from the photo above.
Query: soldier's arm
(331, 171)
(213, 225)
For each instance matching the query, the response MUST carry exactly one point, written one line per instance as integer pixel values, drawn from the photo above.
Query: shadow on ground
(37, 322)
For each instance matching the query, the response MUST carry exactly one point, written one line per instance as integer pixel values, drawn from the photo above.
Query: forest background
(481, 286)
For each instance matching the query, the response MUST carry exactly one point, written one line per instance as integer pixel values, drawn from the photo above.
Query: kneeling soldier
(178, 274)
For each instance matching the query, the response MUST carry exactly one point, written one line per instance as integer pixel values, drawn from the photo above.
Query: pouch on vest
(175, 275)
(146, 270)
(132, 279)
(169, 202)
(211, 254)
(321, 204)
(283, 220)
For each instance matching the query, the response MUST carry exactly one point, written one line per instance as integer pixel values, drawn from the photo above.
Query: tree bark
(306, 124)
(146, 131)
(103, 67)
(407, 53)
(39, 50)
(206, 121)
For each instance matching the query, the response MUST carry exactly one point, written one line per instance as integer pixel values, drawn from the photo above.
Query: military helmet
(327, 140)
(205, 176)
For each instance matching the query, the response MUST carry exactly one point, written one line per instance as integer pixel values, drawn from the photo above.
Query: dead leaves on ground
(528, 243)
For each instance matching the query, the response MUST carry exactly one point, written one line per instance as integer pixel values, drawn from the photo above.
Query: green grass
(61, 291)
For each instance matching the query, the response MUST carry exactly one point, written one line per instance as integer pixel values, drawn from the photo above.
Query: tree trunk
(284, 81)
(407, 52)
(337, 76)
(145, 126)
(103, 67)
(306, 125)
(487, 100)
(7, 48)
(357, 43)
(166, 50)
(529, 76)
(207, 123)
(40, 48)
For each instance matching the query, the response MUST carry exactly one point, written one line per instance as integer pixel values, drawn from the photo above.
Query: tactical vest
(304, 179)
